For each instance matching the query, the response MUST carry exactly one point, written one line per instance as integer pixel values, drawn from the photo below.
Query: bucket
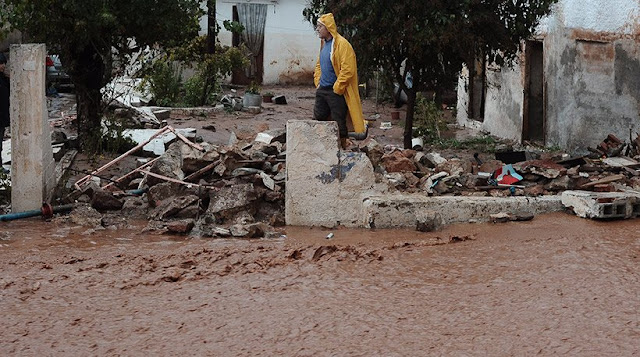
(417, 144)
(251, 100)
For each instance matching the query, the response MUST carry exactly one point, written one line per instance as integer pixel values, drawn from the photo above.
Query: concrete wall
(290, 43)
(592, 66)
(325, 185)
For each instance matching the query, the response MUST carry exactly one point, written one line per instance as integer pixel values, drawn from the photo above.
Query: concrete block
(33, 168)
(602, 205)
(401, 210)
(325, 186)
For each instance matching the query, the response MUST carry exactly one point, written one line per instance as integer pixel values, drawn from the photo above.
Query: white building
(289, 45)
(576, 81)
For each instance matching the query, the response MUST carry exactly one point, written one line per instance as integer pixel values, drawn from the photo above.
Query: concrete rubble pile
(232, 191)
(430, 173)
(528, 174)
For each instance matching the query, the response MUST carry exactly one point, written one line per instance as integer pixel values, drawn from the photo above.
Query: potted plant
(252, 96)
(266, 97)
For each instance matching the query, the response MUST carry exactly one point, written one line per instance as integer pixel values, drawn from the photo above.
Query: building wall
(290, 43)
(592, 66)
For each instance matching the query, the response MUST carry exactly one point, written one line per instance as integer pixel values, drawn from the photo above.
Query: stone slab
(400, 210)
(156, 146)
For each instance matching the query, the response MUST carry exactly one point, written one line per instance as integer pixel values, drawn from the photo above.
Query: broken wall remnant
(404, 210)
(32, 164)
(603, 205)
(325, 186)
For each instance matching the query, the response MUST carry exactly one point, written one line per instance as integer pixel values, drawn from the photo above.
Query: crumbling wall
(591, 65)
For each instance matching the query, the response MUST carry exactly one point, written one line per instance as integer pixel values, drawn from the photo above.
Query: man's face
(323, 33)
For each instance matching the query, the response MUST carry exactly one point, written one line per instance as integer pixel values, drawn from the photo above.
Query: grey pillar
(32, 164)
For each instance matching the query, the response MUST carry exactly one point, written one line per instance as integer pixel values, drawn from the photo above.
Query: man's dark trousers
(329, 103)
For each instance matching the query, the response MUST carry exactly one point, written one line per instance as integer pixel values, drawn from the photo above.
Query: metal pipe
(46, 211)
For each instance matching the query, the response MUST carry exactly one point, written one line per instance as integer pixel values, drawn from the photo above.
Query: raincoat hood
(330, 23)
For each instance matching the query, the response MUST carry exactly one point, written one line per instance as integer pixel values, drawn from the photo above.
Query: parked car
(56, 76)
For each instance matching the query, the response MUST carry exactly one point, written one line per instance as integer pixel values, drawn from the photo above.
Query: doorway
(253, 18)
(477, 88)
(533, 125)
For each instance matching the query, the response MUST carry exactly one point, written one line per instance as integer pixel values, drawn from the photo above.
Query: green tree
(96, 38)
(431, 39)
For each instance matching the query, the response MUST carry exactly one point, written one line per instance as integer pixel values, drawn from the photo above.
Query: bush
(164, 81)
(427, 120)
(194, 91)
(164, 77)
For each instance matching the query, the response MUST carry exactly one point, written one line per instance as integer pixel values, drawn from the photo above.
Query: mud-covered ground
(557, 285)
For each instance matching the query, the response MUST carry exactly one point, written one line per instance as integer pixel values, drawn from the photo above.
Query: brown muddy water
(557, 285)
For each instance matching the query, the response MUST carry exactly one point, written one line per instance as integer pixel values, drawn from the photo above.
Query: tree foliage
(95, 38)
(164, 75)
(431, 39)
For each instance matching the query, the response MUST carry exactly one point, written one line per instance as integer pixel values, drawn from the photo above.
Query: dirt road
(557, 285)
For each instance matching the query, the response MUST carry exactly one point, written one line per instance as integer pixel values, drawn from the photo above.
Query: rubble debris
(105, 201)
(512, 157)
(609, 205)
(609, 147)
(279, 99)
(397, 162)
(83, 180)
(608, 179)
(182, 226)
(545, 168)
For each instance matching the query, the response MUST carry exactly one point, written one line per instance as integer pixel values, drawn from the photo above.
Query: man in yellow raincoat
(336, 80)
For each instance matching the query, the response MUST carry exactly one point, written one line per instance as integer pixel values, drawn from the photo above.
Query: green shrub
(164, 82)
(164, 77)
(427, 121)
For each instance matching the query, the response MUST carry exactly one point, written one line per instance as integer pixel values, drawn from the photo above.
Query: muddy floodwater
(557, 285)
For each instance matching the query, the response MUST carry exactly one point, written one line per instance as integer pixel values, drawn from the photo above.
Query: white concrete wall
(504, 102)
(591, 64)
(599, 15)
(290, 43)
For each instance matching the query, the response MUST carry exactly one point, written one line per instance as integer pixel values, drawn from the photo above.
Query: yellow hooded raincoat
(343, 59)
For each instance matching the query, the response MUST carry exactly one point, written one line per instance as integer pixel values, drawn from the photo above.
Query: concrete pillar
(32, 164)
(325, 186)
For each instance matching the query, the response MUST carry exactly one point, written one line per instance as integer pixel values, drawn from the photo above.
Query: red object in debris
(49, 62)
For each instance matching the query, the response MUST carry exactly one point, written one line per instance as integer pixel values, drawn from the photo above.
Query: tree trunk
(408, 125)
(88, 76)
(211, 26)
(89, 110)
